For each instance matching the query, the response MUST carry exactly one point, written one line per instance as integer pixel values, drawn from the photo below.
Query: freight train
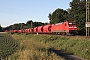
(64, 28)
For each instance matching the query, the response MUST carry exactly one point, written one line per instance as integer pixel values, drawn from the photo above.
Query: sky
(20, 11)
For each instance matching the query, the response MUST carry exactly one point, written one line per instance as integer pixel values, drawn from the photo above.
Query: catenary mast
(87, 18)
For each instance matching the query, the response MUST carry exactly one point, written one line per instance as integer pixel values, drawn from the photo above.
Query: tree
(24, 26)
(78, 13)
(29, 23)
(0, 28)
(15, 27)
(38, 24)
(59, 15)
(34, 24)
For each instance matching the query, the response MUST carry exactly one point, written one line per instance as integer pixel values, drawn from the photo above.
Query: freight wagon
(47, 28)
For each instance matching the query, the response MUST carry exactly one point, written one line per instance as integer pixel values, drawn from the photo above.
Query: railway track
(3, 32)
(69, 36)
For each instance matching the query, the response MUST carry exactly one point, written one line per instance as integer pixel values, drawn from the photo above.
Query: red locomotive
(64, 28)
(59, 28)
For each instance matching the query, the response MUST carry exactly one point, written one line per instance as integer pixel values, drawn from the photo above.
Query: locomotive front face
(72, 26)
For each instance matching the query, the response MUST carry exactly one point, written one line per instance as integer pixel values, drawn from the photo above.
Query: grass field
(8, 45)
(35, 47)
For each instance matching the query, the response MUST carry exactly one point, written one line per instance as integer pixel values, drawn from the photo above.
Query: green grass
(36, 47)
(7, 45)
(79, 47)
(32, 47)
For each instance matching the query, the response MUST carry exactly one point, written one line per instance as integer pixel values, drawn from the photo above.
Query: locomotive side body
(60, 28)
(64, 28)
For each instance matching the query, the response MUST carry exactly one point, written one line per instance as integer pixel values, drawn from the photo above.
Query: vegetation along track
(34, 46)
(7, 45)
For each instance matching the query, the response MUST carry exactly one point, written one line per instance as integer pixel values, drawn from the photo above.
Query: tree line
(76, 12)
(28, 24)
(1, 29)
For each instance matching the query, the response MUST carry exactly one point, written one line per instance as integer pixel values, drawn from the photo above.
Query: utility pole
(31, 23)
(87, 18)
(31, 26)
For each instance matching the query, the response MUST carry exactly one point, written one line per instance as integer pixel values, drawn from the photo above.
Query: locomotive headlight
(75, 27)
(70, 27)
(70, 23)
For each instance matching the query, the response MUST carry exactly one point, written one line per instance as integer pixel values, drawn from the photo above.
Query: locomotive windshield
(72, 23)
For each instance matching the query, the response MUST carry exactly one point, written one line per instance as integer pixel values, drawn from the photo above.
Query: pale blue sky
(20, 11)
